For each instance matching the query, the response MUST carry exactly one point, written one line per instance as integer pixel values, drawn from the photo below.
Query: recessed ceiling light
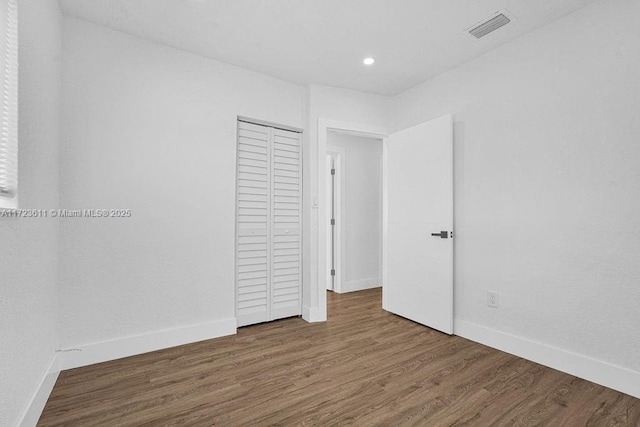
(368, 61)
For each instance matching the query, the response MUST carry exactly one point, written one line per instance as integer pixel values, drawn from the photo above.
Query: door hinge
(333, 171)
(333, 222)
(333, 272)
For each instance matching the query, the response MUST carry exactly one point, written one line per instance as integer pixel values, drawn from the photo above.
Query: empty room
(320, 212)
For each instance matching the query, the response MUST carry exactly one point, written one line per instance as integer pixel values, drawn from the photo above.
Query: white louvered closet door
(286, 225)
(252, 224)
(268, 229)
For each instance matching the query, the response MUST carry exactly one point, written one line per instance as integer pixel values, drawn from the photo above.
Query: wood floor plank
(362, 367)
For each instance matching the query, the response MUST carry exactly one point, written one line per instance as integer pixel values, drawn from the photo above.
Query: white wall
(360, 223)
(28, 248)
(547, 184)
(152, 129)
(341, 105)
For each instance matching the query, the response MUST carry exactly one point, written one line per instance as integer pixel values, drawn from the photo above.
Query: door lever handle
(442, 234)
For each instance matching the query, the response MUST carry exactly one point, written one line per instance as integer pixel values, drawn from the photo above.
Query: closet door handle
(442, 234)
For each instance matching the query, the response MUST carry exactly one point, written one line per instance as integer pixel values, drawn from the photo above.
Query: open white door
(418, 195)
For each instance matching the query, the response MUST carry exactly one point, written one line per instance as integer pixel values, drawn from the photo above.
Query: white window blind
(9, 104)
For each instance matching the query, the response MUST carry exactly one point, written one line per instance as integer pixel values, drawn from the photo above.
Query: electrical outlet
(492, 299)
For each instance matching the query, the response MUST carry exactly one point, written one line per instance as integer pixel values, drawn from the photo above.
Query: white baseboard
(361, 285)
(603, 373)
(34, 408)
(130, 346)
(310, 314)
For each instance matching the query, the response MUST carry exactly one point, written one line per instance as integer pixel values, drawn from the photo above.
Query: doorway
(353, 212)
(417, 205)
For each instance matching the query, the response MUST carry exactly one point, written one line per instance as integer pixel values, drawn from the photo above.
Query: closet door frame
(270, 203)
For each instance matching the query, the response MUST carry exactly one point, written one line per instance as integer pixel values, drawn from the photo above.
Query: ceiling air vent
(482, 29)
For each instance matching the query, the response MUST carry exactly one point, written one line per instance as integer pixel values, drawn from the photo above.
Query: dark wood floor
(362, 367)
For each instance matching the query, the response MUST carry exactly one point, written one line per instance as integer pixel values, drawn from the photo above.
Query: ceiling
(325, 41)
